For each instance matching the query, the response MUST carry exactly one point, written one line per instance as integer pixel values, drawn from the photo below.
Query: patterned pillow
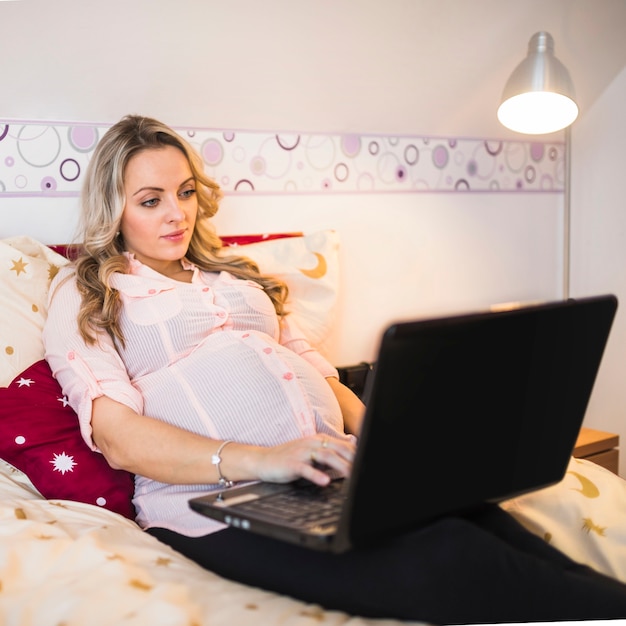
(39, 435)
(26, 269)
(582, 516)
(309, 264)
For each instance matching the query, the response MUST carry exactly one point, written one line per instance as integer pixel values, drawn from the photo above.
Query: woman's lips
(178, 235)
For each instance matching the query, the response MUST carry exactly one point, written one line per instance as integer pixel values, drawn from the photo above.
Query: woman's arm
(152, 448)
(352, 408)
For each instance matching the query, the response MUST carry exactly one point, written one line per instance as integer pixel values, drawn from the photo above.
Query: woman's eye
(187, 193)
(150, 203)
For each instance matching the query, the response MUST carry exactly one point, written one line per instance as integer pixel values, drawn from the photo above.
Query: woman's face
(161, 208)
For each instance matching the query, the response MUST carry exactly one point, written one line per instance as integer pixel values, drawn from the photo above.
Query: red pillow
(39, 435)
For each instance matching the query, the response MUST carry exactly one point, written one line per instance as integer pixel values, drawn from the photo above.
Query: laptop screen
(485, 406)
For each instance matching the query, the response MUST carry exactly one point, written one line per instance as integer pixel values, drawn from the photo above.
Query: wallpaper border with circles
(39, 159)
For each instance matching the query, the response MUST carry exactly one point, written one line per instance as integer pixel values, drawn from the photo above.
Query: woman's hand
(157, 450)
(306, 458)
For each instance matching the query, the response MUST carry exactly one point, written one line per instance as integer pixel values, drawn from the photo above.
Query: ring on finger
(313, 457)
(324, 443)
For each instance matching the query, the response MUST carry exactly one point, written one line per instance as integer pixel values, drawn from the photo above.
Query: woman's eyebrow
(148, 188)
(191, 178)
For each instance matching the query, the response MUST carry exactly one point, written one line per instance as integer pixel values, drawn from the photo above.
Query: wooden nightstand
(599, 447)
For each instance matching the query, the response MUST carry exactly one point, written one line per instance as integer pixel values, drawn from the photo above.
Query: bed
(70, 551)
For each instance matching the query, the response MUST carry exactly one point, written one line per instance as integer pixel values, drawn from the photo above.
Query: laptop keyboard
(307, 505)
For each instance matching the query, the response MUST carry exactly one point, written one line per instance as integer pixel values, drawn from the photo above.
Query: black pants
(479, 568)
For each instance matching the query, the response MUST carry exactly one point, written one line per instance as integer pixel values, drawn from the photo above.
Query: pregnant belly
(243, 386)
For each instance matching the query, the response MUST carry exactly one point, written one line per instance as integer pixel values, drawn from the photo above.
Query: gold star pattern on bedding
(26, 269)
(40, 435)
(582, 516)
(20, 514)
(589, 526)
(139, 584)
(320, 267)
(587, 488)
(19, 266)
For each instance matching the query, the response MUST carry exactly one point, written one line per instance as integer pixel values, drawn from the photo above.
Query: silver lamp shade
(539, 96)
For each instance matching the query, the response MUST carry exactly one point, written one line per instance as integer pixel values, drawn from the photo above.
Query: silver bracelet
(216, 459)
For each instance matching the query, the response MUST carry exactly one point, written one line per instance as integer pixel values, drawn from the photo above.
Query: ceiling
(431, 67)
(473, 46)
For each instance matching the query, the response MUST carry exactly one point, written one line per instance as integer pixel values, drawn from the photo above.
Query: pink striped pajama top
(209, 356)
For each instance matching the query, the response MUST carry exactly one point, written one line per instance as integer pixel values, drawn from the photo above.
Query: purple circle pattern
(411, 155)
(212, 152)
(83, 138)
(287, 143)
(38, 147)
(299, 163)
(440, 156)
(351, 145)
(537, 151)
(493, 148)
(48, 184)
(258, 165)
(244, 185)
(70, 170)
(341, 172)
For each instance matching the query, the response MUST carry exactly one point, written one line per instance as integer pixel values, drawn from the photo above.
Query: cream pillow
(309, 264)
(584, 516)
(26, 269)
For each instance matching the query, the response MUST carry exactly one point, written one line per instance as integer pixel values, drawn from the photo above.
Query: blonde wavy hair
(102, 246)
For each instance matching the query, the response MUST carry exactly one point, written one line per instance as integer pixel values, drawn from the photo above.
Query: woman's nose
(175, 212)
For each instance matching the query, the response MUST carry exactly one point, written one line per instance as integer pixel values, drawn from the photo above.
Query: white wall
(402, 254)
(410, 255)
(599, 241)
(362, 66)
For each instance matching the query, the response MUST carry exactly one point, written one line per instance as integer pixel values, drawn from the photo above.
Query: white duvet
(66, 563)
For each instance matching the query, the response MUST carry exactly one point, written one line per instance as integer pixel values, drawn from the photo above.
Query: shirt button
(221, 314)
(151, 291)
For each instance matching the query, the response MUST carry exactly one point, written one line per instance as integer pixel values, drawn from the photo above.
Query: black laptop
(461, 410)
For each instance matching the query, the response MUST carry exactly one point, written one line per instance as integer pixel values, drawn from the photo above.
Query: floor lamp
(539, 98)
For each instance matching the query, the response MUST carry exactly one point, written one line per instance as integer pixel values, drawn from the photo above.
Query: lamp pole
(567, 213)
